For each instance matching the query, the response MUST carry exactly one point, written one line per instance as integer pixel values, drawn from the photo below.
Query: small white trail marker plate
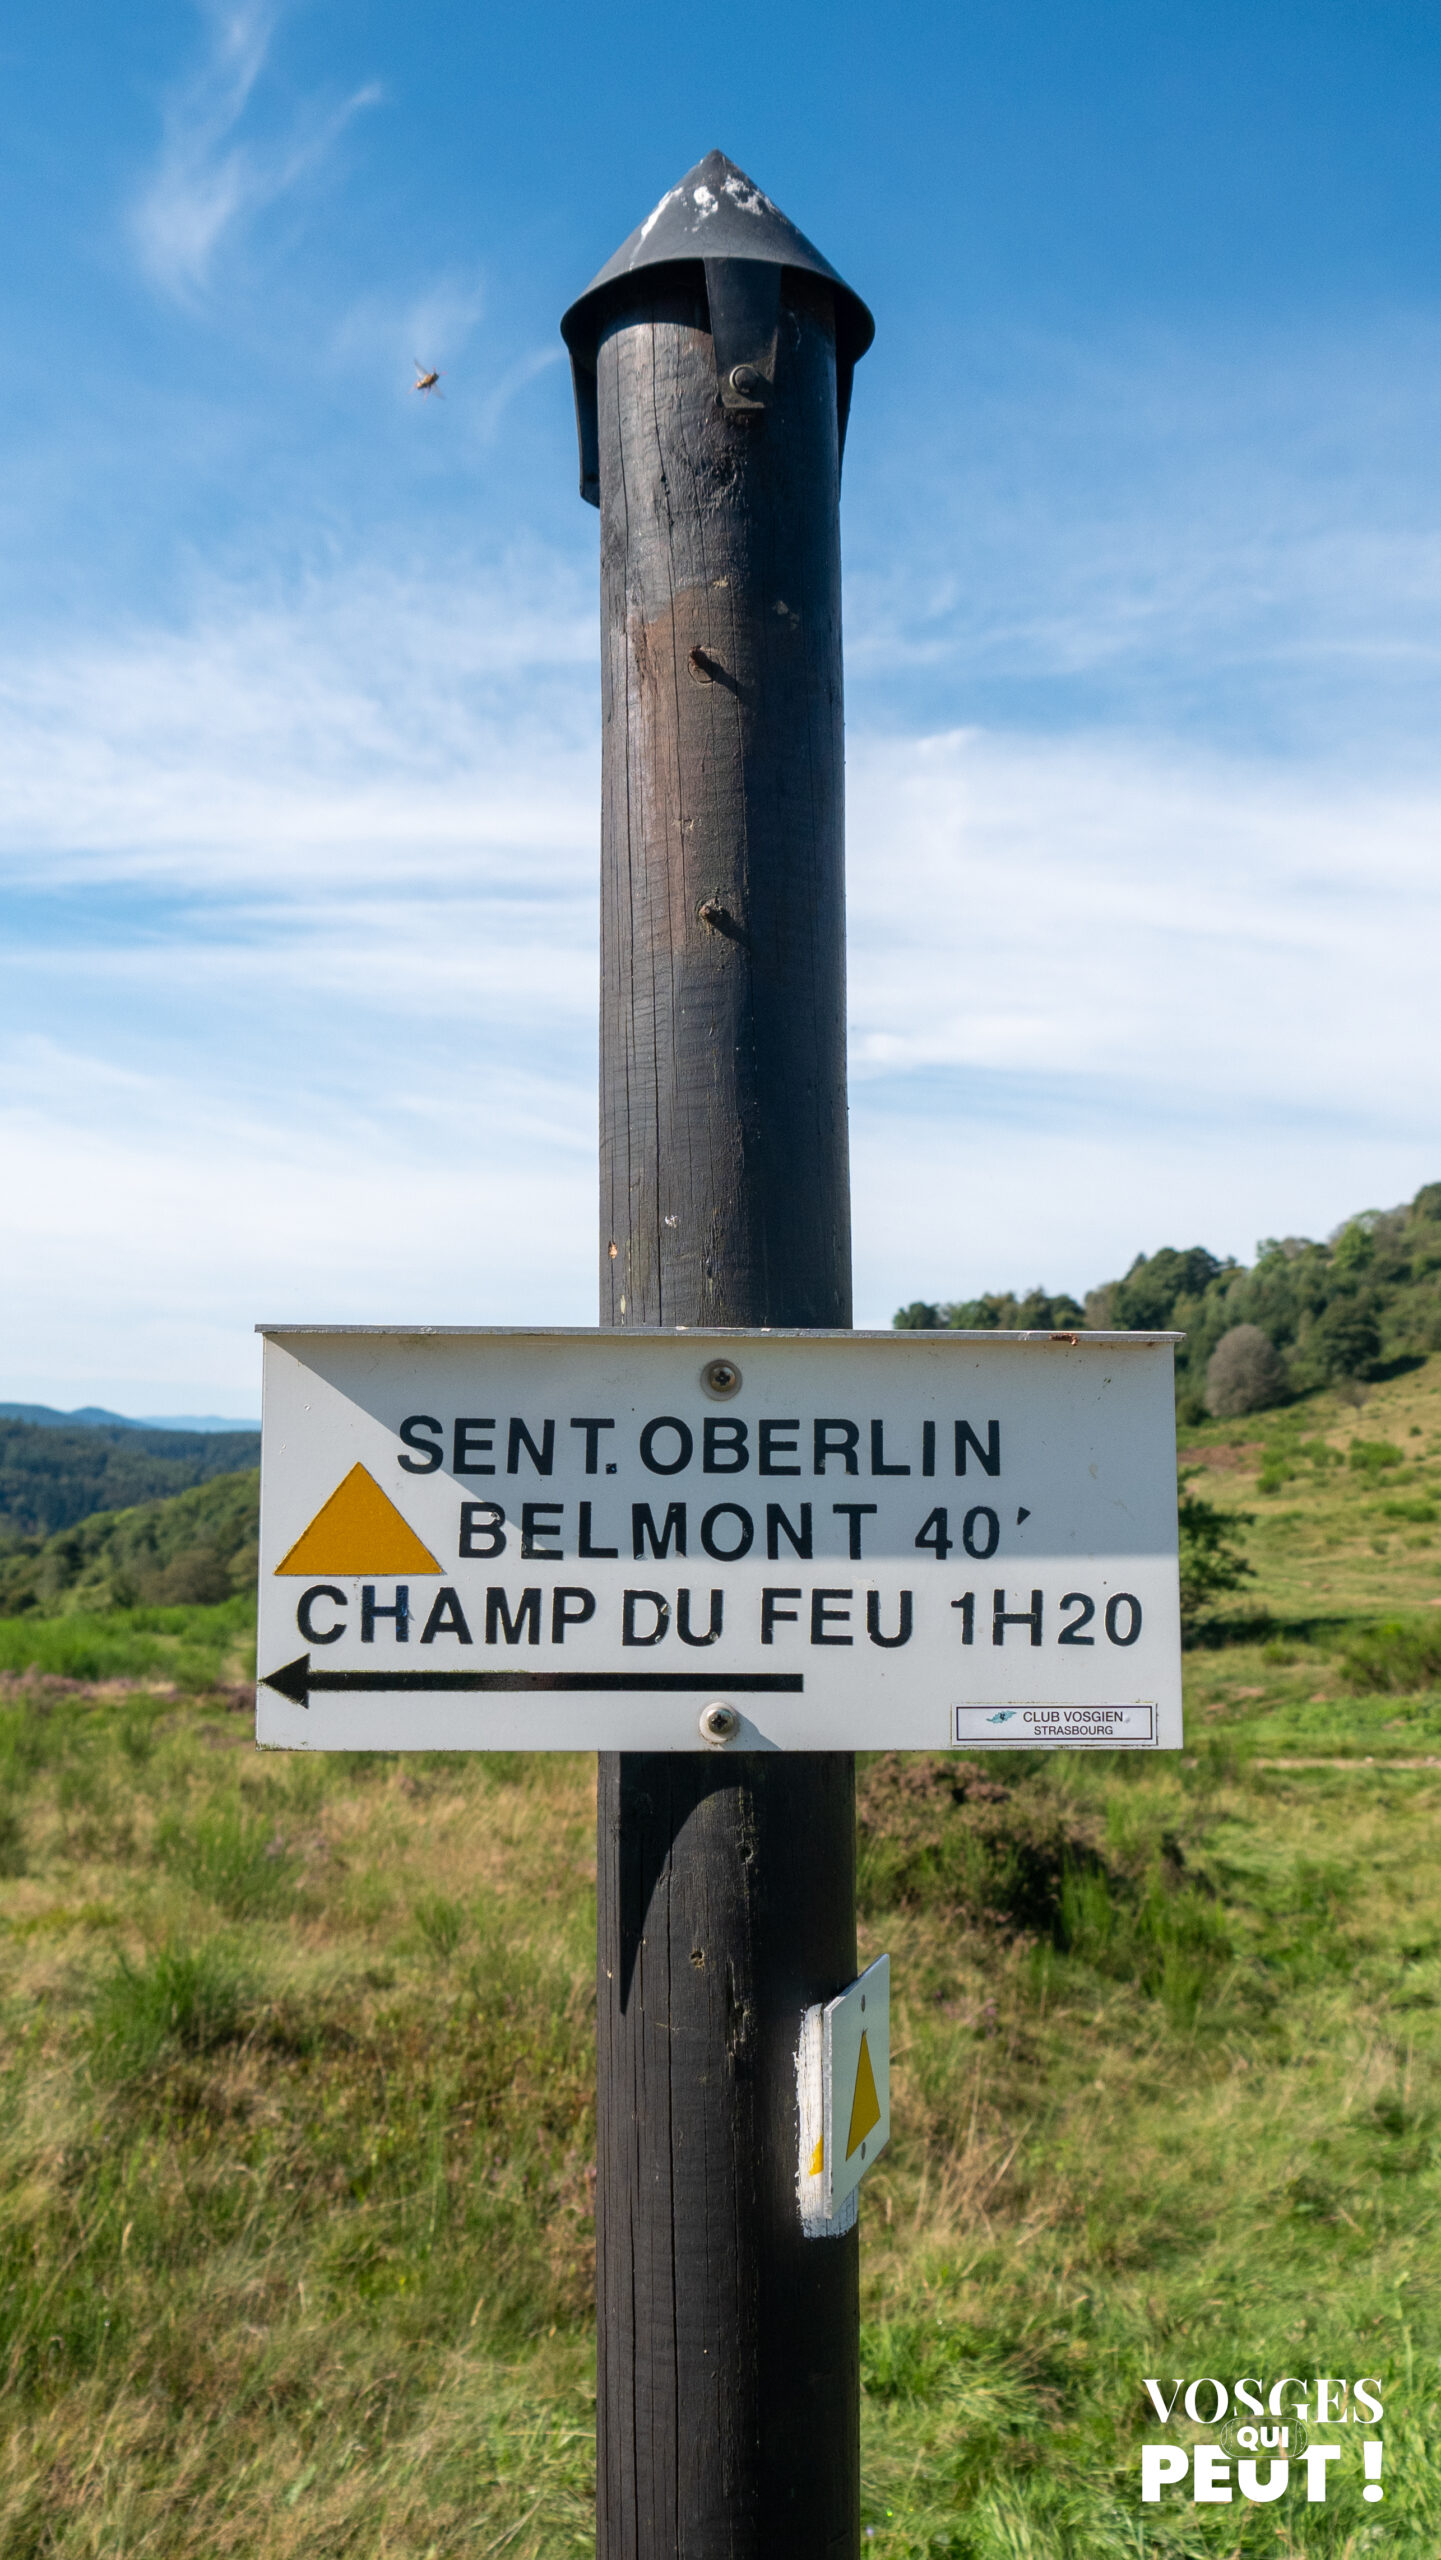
(843, 2085)
(708, 1541)
(1054, 1728)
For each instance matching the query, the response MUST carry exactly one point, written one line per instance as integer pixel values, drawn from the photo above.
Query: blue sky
(298, 673)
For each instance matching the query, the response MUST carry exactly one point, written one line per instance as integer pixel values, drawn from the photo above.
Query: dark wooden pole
(725, 1187)
(727, 2401)
(728, 2389)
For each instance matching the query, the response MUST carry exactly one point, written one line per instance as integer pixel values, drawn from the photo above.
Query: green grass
(296, 2127)
(195, 1648)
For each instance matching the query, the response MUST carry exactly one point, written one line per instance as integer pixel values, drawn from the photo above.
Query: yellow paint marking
(865, 2105)
(818, 2157)
(358, 1530)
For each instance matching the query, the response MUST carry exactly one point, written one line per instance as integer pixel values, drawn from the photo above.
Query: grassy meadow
(297, 2085)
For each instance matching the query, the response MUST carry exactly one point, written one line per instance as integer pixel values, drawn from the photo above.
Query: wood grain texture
(728, 2395)
(727, 2390)
(724, 1172)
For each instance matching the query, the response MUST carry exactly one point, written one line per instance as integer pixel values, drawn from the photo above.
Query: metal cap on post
(713, 357)
(719, 216)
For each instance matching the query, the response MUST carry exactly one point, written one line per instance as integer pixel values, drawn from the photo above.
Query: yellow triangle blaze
(818, 2157)
(865, 2105)
(358, 1530)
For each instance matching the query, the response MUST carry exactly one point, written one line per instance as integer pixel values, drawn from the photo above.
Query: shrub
(1211, 1557)
(178, 2001)
(1245, 1372)
(1374, 1456)
(944, 1835)
(1396, 1658)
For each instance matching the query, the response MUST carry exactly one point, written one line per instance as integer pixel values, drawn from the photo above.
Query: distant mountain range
(49, 1417)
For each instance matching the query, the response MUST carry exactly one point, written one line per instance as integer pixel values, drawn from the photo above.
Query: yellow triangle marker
(358, 1530)
(865, 2105)
(818, 2157)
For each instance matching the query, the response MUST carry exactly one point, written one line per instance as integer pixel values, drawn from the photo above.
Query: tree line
(1302, 1315)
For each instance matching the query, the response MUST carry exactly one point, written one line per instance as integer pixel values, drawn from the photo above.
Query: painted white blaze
(843, 2075)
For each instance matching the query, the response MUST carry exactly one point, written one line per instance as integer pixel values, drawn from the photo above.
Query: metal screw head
(746, 380)
(718, 1722)
(721, 1378)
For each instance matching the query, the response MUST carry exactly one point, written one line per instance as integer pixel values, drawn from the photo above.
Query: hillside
(1329, 1314)
(194, 1547)
(54, 1474)
(298, 2129)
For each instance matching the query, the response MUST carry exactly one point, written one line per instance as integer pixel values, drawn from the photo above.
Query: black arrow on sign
(299, 1683)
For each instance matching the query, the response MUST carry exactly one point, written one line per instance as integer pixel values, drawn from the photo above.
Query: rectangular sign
(843, 2098)
(688, 1541)
(1053, 1728)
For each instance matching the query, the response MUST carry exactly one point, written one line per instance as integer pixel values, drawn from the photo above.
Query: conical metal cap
(717, 212)
(719, 216)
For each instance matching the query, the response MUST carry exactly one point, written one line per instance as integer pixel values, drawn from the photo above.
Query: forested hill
(52, 1475)
(195, 1546)
(1302, 1315)
(190, 1547)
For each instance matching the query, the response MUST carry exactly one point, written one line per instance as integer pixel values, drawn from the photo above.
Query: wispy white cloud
(210, 177)
(435, 726)
(1232, 535)
(1180, 922)
(315, 1032)
(1110, 993)
(206, 1212)
(300, 1002)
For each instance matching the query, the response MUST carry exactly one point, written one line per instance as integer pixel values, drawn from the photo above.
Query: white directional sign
(688, 1541)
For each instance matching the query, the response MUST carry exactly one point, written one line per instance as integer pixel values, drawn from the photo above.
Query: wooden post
(713, 360)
